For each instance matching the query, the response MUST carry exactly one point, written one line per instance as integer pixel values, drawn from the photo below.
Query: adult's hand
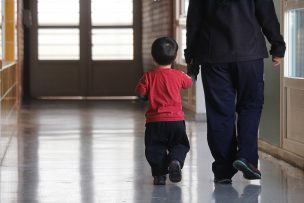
(193, 71)
(276, 61)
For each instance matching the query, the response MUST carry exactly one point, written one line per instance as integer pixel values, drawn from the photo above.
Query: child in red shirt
(166, 140)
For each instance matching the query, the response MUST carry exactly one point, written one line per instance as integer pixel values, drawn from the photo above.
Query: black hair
(164, 50)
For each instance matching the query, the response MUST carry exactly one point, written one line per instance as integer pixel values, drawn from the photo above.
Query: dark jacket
(232, 31)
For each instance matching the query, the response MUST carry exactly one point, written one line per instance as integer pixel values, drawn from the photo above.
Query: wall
(157, 19)
(10, 79)
(270, 121)
(270, 128)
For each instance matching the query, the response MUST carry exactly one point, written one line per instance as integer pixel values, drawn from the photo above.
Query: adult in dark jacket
(226, 38)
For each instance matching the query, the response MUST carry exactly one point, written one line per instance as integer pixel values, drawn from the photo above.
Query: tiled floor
(94, 152)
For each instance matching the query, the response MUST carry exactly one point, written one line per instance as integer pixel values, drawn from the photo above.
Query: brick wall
(157, 19)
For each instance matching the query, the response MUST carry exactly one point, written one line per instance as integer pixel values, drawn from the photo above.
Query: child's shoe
(175, 172)
(159, 180)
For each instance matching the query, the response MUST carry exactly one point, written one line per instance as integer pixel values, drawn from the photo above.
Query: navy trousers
(234, 94)
(165, 141)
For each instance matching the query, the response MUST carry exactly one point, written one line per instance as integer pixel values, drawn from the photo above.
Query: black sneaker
(249, 171)
(175, 172)
(159, 180)
(223, 180)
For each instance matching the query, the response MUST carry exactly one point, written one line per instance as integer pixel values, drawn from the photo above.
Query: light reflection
(190, 168)
(229, 193)
(113, 131)
(110, 167)
(58, 158)
(114, 170)
(86, 160)
(9, 173)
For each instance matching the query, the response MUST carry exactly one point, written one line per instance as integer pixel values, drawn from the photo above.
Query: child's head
(164, 50)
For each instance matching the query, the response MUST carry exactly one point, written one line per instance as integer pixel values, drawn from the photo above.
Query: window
(58, 44)
(58, 30)
(112, 44)
(114, 12)
(1, 37)
(181, 13)
(8, 31)
(58, 12)
(112, 30)
(295, 41)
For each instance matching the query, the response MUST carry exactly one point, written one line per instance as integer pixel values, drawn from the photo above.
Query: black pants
(234, 94)
(165, 141)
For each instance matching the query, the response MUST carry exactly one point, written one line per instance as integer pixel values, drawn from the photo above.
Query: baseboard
(282, 154)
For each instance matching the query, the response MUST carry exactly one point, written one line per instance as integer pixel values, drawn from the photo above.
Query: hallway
(93, 151)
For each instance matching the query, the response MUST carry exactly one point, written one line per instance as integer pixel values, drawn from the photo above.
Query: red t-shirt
(162, 86)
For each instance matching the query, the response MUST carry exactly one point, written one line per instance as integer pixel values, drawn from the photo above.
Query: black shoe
(249, 171)
(159, 180)
(175, 172)
(223, 180)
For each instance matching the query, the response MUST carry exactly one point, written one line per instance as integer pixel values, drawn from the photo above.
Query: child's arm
(186, 81)
(265, 13)
(142, 87)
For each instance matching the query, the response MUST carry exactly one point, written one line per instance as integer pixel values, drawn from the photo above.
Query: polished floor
(91, 152)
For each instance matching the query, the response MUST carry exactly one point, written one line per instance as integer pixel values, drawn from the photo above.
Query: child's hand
(143, 98)
(276, 61)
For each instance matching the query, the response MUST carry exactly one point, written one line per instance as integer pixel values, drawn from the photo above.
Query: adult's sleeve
(194, 18)
(142, 86)
(266, 15)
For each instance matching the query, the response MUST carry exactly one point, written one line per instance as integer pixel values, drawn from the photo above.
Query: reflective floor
(94, 152)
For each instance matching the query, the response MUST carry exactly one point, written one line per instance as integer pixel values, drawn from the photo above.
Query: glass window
(1, 32)
(181, 29)
(113, 12)
(186, 4)
(295, 41)
(115, 43)
(58, 44)
(15, 31)
(183, 41)
(58, 12)
(1, 47)
(112, 44)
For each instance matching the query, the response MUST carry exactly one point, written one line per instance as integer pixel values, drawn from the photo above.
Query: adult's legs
(250, 98)
(220, 97)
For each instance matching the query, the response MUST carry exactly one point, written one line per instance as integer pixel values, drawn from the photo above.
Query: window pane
(1, 12)
(183, 43)
(295, 51)
(113, 12)
(58, 44)
(58, 12)
(112, 44)
(1, 47)
(186, 4)
(1, 58)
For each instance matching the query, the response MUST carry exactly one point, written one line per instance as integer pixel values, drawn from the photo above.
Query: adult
(226, 38)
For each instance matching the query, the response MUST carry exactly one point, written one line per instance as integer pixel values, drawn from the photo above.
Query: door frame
(75, 76)
(287, 85)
